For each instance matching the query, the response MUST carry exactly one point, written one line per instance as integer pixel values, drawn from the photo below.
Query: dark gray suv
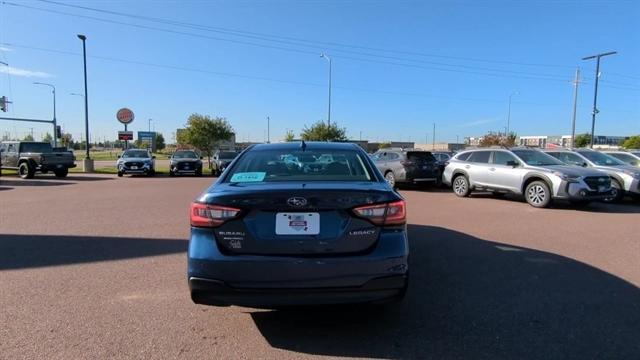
(408, 166)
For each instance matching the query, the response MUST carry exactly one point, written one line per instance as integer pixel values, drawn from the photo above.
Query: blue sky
(408, 65)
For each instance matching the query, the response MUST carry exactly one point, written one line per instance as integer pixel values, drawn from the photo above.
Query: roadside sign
(125, 135)
(146, 135)
(125, 116)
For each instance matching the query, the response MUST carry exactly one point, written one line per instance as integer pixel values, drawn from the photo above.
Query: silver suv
(532, 173)
(408, 166)
(625, 178)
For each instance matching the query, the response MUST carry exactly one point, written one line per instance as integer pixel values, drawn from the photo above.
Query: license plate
(134, 167)
(601, 188)
(59, 166)
(297, 224)
(425, 167)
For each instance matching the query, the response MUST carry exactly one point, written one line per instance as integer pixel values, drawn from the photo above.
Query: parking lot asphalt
(94, 266)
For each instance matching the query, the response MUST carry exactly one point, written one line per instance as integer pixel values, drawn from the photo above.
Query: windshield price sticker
(248, 177)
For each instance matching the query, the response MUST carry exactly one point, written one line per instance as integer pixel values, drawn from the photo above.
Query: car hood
(185, 160)
(134, 159)
(618, 168)
(572, 171)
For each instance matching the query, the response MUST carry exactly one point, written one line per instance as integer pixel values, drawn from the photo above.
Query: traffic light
(3, 103)
(58, 132)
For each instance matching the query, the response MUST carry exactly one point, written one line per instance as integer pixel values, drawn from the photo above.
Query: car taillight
(394, 213)
(204, 215)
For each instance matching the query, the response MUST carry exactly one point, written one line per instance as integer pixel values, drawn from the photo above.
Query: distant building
(440, 147)
(552, 141)
(473, 141)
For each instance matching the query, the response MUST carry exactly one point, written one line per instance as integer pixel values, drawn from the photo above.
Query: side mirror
(201, 157)
(118, 156)
(584, 164)
(153, 157)
(512, 163)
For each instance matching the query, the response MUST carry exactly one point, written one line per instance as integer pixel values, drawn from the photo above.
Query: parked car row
(181, 162)
(579, 176)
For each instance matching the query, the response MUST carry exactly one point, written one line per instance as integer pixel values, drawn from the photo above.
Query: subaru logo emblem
(297, 201)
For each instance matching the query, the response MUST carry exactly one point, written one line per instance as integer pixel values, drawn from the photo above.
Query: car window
(421, 156)
(185, 155)
(393, 156)
(629, 159)
(227, 155)
(35, 147)
(463, 156)
(569, 158)
(270, 166)
(536, 158)
(480, 157)
(600, 158)
(135, 154)
(11, 148)
(502, 158)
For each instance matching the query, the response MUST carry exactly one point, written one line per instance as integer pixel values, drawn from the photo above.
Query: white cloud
(23, 72)
(6, 49)
(477, 122)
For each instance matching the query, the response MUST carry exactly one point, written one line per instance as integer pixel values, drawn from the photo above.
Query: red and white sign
(125, 135)
(125, 116)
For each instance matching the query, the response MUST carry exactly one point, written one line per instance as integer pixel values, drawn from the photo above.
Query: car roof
(310, 145)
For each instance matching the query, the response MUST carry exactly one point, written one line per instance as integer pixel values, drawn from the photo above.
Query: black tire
(538, 194)
(151, 172)
(199, 173)
(391, 179)
(61, 173)
(26, 171)
(171, 173)
(120, 173)
(460, 186)
(619, 193)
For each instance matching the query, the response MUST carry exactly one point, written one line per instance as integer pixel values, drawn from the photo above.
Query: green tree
(632, 143)
(499, 139)
(204, 133)
(141, 144)
(582, 140)
(288, 137)
(47, 138)
(160, 142)
(28, 137)
(320, 131)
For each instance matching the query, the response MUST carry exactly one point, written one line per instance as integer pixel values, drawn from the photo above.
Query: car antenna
(303, 145)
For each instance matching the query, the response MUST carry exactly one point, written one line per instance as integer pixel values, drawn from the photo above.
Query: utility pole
(268, 130)
(509, 112)
(595, 93)
(329, 110)
(433, 144)
(88, 163)
(575, 107)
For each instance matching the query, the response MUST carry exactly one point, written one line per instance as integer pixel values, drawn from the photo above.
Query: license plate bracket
(297, 223)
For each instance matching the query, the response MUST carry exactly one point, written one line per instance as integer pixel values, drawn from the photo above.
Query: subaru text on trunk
(298, 224)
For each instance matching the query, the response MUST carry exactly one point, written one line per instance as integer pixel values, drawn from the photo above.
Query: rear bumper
(54, 167)
(218, 293)
(263, 281)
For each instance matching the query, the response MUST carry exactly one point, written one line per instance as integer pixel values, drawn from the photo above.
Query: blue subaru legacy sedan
(298, 224)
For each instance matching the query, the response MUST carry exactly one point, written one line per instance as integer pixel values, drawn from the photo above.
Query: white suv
(532, 173)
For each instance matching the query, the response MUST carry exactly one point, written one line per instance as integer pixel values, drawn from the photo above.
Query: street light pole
(268, 130)
(595, 93)
(575, 107)
(88, 163)
(509, 113)
(55, 124)
(150, 120)
(329, 109)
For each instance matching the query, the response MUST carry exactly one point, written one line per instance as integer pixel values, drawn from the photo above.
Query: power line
(294, 82)
(271, 37)
(499, 72)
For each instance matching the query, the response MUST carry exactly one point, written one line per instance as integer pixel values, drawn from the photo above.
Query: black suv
(408, 166)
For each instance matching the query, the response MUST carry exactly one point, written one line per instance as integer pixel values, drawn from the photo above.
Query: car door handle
(467, 166)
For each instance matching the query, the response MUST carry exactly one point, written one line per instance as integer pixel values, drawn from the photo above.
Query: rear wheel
(26, 171)
(61, 172)
(461, 186)
(120, 173)
(616, 192)
(391, 178)
(199, 172)
(537, 194)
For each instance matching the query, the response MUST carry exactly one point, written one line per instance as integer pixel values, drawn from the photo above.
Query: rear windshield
(600, 159)
(227, 155)
(298, 165)
(36, 147)
(185, 155)
(135, 154)
(424, 156)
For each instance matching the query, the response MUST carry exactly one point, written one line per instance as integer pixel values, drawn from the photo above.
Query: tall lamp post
(509, 112)
(88, 163)
(329, 110)
(595, 93)
(55, 124)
